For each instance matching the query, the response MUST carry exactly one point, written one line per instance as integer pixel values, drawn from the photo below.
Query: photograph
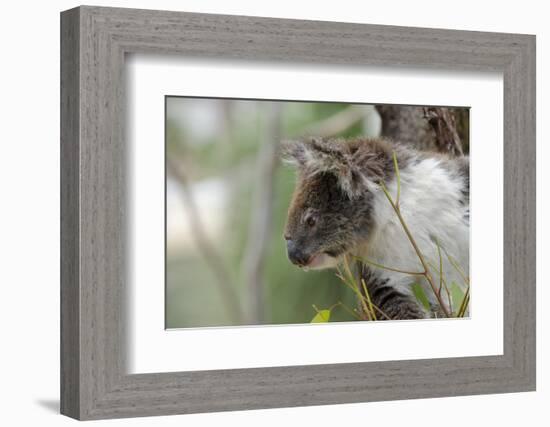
(294, 212)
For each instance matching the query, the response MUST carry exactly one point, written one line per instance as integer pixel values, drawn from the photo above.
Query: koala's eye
(310, 221)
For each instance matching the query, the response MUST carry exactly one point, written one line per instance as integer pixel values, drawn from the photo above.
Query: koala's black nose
(295, 255)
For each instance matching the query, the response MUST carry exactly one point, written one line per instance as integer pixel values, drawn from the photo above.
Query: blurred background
(227, 196)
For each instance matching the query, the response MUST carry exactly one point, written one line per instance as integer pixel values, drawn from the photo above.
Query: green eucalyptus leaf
(322, 316)
(457, 295)
(420, 295)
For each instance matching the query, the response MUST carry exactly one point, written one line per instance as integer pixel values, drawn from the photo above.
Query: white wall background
(29, 212)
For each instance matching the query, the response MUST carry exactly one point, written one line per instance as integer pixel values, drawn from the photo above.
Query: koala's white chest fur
(433, 207)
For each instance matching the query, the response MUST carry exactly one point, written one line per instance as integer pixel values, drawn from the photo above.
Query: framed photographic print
(261, 213)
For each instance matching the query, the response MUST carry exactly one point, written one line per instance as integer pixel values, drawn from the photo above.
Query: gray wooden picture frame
(94, 381)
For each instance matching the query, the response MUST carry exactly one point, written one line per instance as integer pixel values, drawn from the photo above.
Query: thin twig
(398, 177)
(440, 266)
(426, 274)
(367, 296)
(349, 310)
(384, 267)
(442, 282)
(464, 304)
(381, 312)
(353, 286)
(363, 299)
(444, 286)
(453, 262)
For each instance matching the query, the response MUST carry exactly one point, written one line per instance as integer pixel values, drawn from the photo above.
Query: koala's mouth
(335, 253)
(321, 260)
(316, 260)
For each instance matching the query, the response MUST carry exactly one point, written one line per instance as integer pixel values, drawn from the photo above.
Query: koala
(339, 209)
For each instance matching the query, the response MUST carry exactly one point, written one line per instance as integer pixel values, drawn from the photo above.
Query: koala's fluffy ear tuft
(316, 155)
(293, 153)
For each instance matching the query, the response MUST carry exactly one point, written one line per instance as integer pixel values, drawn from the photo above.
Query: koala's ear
(294, 153)
(316, 155)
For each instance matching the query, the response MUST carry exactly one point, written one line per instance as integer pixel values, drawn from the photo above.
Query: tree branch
(261, 214)
(212, 257)
(336, 123)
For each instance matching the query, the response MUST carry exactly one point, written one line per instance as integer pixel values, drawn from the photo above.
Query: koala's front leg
(401, 307)
(394, 304)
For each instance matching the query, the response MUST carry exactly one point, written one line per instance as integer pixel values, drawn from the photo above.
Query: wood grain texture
(94, 270)
(70, 221)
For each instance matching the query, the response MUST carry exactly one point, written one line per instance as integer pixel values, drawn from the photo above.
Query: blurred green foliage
(220, 139)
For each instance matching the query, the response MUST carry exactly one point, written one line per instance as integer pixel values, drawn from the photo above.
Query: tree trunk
(442, 121)
(406, 125)
(439, 129)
